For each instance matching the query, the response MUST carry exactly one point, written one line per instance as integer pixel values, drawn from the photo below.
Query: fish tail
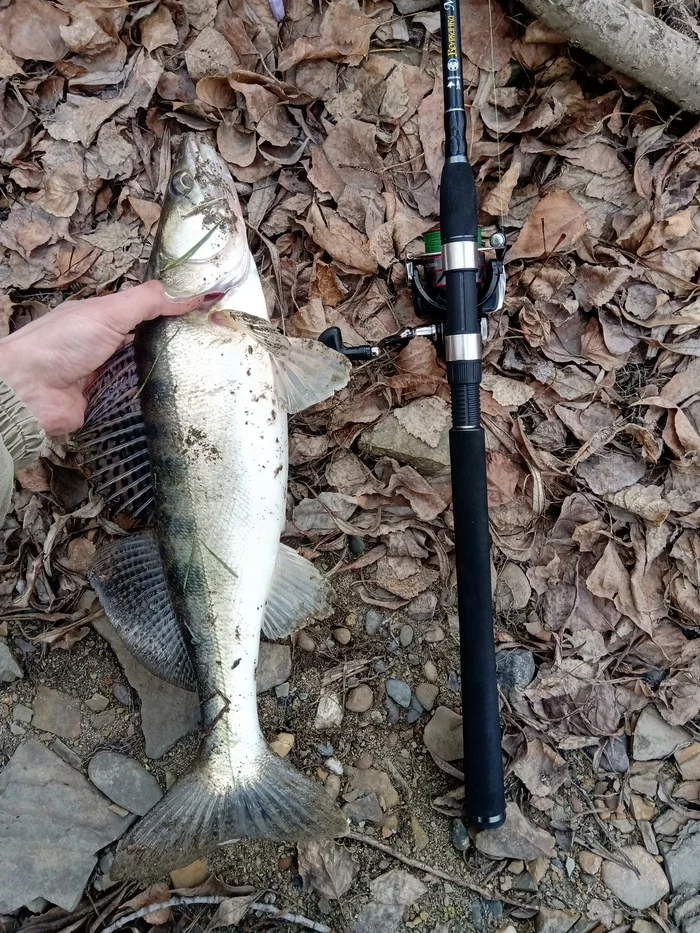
(221, 800)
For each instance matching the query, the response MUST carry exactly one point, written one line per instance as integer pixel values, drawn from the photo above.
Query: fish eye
(182, 183)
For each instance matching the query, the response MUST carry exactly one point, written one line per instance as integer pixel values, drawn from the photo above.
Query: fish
(191, 594)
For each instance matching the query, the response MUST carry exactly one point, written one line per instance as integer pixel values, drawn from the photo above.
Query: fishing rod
(461, 286)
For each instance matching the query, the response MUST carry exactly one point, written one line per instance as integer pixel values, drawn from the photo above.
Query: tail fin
(266, 798)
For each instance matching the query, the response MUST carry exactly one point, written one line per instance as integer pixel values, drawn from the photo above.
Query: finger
(125, 310)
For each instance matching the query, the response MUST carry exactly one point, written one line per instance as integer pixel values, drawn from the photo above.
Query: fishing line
(495, 104)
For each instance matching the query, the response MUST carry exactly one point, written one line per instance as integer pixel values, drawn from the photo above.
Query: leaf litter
(332, 123)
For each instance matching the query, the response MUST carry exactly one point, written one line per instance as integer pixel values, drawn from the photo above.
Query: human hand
(49, 362)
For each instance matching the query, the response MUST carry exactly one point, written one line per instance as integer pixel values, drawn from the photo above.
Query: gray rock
(638, 891)
(9, 668)
(52, 824)
(274, 666)
(57, 713)
(460, 836)
(549, 920)
(427, 695)
(515, 668)
(97, 703)
(122, 695)
(654, 738)
(360, 699)
(443, 734)
(615, 757)
(399, 691)
(434, 635)
(517, 838)
(684, 908)
(124, 781)
(454, 682)
(422, 608)
(16, 729)
(364, 809)
(373, 622)
(21, 713)
(405, 636)
(67, 754)
(430, 671)
(389, 438)
(393, 711)
(415, 711)
(329, 712)
(167, 713)
(683, 860)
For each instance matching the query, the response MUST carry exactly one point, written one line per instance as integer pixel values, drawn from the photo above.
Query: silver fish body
(216, 388)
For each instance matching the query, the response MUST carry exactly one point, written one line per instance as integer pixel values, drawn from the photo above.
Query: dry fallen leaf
(555, 225)
(327, 868)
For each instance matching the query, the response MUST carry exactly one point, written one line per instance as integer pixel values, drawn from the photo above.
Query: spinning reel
(428, 294)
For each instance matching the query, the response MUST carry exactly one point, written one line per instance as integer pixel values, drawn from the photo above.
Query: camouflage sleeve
(21, 438)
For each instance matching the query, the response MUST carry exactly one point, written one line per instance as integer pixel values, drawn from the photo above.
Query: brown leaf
(8, 65)
(31, 29)
(63, 190)
(79, 118)
(611, 471)
(488, 42)
(148, 211)
(497, 201)
(541, 769)
(344, 35)
(235, 145)
(345, 244)
(503, 477)
(158, 29)
(555, 225)
(327, 868)
(230, 912)
(155, 894)
(407, 587)
(210, 54)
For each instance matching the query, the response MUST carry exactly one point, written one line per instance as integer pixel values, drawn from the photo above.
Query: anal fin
(129, 580)
(113, 441)
(298, 592)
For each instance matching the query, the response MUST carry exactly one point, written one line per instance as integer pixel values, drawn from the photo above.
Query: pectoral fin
(128, 577)
(298, 593)
(306, 371)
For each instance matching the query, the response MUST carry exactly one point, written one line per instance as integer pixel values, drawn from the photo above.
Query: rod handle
(483, 762)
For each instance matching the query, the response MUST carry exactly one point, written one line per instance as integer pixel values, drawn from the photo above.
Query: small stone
(334, 766)
(37, 905)
(517, 838)
(283, 744)
(549, 920)
(683, 860)
(67, 754)
(364, 761)
(393, 712)
(191, 875)
(454, 684)
(305, 642)
(380, 667)
(57, 713)
(360, 699)
(104, 719)
(373, 622)
(16, 729)
(642, 809)
(285, 863)
(516, 867)
(9, 668)
(641, 890)
(427, 695)
(688, 760)
(654, 738)
(420, 837)
(460, 836)
(329, 714)
(357, 545)
(430, 671)
(325, 750)
(399, 691)
(614, 757)
(124, 781)
(120, 811)
(3, 629)
(170, 779)
(443, 734)
(122, 694)
(274, 666)
(434, 635)
(589, 862)
(405, 636)
(282, 690)
(364, 809)
(22, 713)
(97, 703)
(422, 608)
(415, 711)
(515, 668)
(525, 882)
(332, 785)
(342, 635)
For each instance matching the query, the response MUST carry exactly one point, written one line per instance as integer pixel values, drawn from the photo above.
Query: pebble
(97, 703)
(443, 734)
(399, 691)
(453, 682)
(434, 635)
(420, 837)
(285, 863)
(380, 667)
(460, 836)
(654, 738)
(191, 875)
(124, 781)
(342, 635)
(360, 699)
(305, 642)
(405, 636)
(427, 695)
(415, 711)
(332, 785)
(430, 671)
(283, 744)
(22, 713)
(550, 920)
(393, 711)
(364, 761)
(325, 750)
(57, 713)
(274, 666)
(615, 757)
(334, 766)
(282, 690)
(122, 694)
(422, 608)
(67, 754)
(683, 860)
(16, 729)
(357, 545)
(373, 622)
(636, 891)
(517, 838)
(9, 668)
(329, 713)
(364, 809)
(515, 668)
(590, 862)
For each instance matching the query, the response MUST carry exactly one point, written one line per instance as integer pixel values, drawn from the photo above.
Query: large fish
(190, 596)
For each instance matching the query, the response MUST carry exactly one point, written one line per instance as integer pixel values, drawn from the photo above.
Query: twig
(438, 872)
(275, 912)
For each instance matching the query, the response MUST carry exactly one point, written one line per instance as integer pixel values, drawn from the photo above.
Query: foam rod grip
(483, 763)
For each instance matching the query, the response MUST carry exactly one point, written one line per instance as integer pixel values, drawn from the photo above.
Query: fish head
(201, 245)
